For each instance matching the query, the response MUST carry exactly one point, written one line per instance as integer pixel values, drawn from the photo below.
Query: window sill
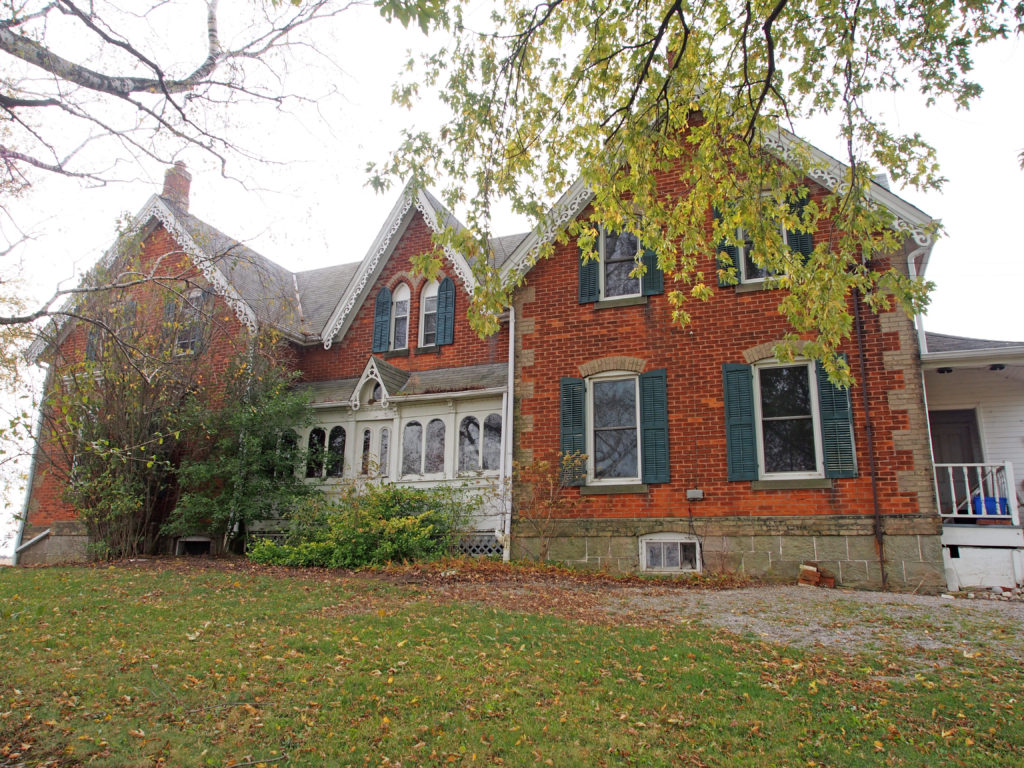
(751, 287)
(625, 301)
(790, 485)
(602, 490)
(395, 353)
(433, 349)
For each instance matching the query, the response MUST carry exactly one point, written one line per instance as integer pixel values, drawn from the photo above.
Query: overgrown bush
(372, 525)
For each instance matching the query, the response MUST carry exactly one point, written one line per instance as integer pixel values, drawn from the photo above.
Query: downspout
(37, 435)
(922, 347)
(869, 434)
(922, 341)
(507, 434)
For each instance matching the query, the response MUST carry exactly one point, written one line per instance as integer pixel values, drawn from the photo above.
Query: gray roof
(320, 290)
(504, 247)
(442, 381)
(469, 377)
(941, 342)
(297, 302)
(393, 378)
(334, 391)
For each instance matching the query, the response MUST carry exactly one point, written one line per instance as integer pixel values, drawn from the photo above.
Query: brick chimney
(177, 181)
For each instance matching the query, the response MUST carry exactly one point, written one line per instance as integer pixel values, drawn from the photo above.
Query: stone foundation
(67, 543)
(770, 548)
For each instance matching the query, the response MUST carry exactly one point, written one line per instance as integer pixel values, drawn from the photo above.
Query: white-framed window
(315, 453)
(669, 553)
(746, 268)
(428, 314)
(619, 252)
(423, 451)
(613, 439)
(365, 460)
(336, 452)
(191, 322)
(384, 456)
(400, 317)
(787, 421)
(480, 451)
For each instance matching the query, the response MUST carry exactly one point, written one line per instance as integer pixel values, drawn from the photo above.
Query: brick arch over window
(767, 350)
(415, 282)
(614, 363)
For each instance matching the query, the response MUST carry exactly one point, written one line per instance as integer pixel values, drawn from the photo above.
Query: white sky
(312, 207)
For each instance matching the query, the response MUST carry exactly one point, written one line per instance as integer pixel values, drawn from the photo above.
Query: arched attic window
(400, 317)
(428, 314)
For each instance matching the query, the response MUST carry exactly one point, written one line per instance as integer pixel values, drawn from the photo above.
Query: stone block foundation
(770, 548)
(67, 542)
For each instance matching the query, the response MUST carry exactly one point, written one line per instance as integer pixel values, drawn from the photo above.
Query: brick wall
(556, 337)
(46, 504)
(347, 357)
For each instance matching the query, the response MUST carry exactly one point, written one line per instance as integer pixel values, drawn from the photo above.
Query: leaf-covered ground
(220, 663)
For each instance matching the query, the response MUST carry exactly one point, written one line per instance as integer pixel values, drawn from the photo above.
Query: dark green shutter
(836, 427)
(727, 254)
(653, 281)
(590, 280)
(801, 242)
(168, 331)
(203, 322)
(572, 397)
(740, 432)
(382, 321)
(446, 312)
(93, 342)
(654, 427)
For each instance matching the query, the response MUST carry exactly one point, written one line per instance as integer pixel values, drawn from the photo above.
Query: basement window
(669, 553)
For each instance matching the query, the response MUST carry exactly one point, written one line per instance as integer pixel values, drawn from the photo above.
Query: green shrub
(372, 525)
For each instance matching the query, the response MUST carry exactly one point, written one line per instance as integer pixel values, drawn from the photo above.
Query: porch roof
(944, 349)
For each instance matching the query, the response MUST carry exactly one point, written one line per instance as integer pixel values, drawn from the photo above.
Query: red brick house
(402, 388)
(703, 452)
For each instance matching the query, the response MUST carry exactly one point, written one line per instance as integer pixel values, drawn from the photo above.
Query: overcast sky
(312, 208)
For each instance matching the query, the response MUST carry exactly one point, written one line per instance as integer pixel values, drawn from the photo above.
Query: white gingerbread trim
(434, 219)
(832, 174)
(207, 263)
(825, 170)
(562, 212)
(155, 208)
(381, 245)
(370, 373)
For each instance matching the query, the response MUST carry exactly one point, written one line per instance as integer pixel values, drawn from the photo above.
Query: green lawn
(128, 667)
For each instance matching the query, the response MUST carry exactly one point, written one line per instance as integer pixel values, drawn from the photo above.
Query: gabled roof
(409, 201)
(206, 259)
(259, 290)
(826, 171)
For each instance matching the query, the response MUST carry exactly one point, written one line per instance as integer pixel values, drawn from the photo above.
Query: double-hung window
(614, 439)
(393, 309)
(620, 422)
(786, 421)
(618, 253)
(742, 255)
(428, 314)
(400, 318)
(610, 275)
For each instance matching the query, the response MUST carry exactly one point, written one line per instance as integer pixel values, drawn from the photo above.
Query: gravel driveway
(842, 619)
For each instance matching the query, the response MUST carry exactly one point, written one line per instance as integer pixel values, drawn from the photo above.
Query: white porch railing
(977, 492)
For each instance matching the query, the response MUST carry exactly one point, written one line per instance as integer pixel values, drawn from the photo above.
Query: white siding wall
(998, 399)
